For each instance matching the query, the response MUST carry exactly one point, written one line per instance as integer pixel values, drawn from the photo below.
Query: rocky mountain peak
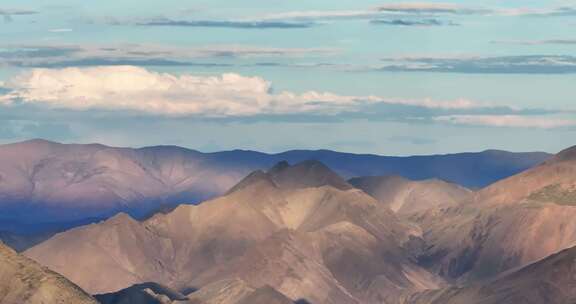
(306, 174)
(253, 178)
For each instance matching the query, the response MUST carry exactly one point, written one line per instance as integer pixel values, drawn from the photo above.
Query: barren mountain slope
(23, 281)
(108, 256)
(296, 237)
(510, 224)
(551, 281)
(406, 197)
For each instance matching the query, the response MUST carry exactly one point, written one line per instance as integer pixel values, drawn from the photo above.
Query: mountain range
(47, 186)
(300, 229)
(300, 232)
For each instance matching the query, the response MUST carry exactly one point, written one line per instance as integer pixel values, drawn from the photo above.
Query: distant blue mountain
(472, 170)
(46, 184)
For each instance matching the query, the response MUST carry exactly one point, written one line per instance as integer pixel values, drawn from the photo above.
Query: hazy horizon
(274, 152)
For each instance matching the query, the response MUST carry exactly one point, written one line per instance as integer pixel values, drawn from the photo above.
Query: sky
(363, 76)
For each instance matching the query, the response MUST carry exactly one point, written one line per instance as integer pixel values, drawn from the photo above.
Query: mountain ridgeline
(47, 186)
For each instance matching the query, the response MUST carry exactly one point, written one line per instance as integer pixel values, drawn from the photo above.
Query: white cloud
(134, 88)
(7, 14)
(137, 89)
(515, 121)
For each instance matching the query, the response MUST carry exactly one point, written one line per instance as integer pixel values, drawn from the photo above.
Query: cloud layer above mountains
(130, 89)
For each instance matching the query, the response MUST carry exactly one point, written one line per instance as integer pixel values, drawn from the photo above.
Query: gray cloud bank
(7, 14)
(411, 22)
(537, 42)
(257, 24)
(529, 64)
(54, 56)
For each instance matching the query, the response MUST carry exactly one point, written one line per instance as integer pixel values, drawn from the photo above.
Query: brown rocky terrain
(551, 281)
(23, 281)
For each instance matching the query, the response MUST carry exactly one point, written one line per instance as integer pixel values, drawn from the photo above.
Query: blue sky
(386, 77)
